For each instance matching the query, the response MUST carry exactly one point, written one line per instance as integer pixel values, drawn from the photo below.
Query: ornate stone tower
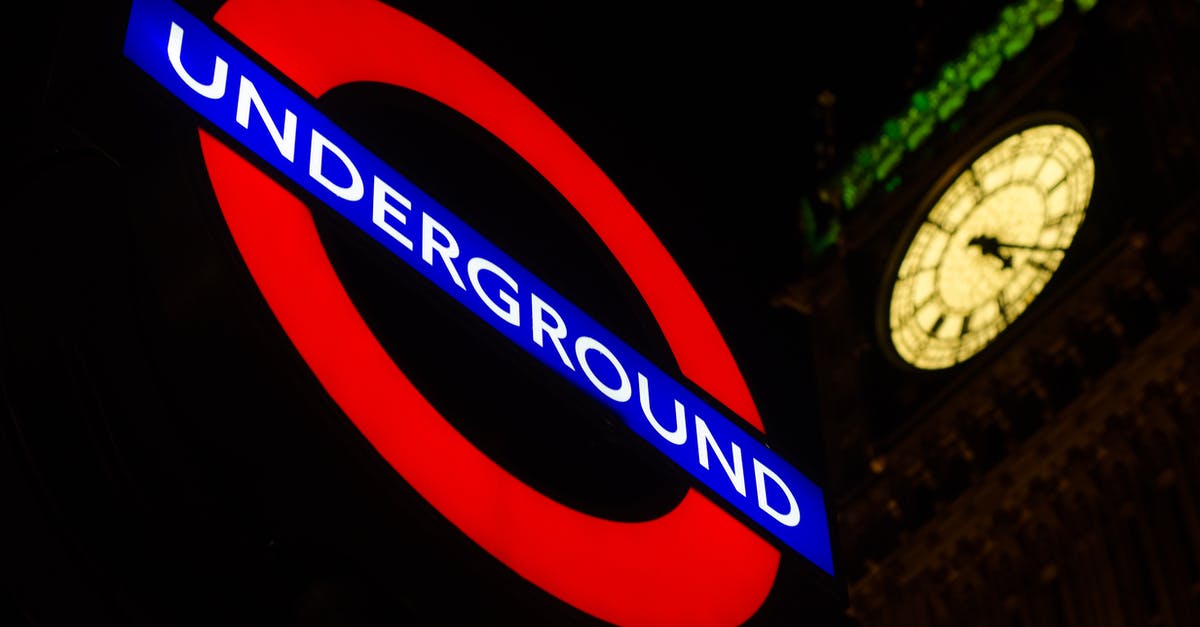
(1008, 334)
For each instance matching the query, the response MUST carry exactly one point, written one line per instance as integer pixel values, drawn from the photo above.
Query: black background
(167, 457)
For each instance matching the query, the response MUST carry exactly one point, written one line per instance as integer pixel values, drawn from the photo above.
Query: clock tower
(1003, 299)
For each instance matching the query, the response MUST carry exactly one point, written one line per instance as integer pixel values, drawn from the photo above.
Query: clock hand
(1049, 249)
(989, 245)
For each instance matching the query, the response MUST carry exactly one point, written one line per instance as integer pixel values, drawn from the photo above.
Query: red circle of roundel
(696, 565)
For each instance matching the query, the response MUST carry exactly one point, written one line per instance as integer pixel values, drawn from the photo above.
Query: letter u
(213, 90)
(679, 435)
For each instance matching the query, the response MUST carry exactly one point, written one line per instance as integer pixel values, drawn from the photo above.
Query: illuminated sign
(697, 564)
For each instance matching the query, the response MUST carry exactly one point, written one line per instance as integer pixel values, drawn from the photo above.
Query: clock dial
(989, 244)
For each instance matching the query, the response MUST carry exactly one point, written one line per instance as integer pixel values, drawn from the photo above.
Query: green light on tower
(875, 161)
(1048, 11)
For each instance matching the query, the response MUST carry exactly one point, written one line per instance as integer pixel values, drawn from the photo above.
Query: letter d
(320, 144)
(792, 517)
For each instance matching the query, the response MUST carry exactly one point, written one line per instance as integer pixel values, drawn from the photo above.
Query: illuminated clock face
(989, 244)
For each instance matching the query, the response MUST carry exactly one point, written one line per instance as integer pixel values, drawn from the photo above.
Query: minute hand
(1048, 249)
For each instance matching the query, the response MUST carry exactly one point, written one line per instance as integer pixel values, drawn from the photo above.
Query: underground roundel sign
(697, 564)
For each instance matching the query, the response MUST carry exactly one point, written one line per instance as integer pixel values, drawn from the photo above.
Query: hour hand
(999, 244)
(989, 245)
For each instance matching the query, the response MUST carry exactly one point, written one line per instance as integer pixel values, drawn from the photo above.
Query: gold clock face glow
(989, 244)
